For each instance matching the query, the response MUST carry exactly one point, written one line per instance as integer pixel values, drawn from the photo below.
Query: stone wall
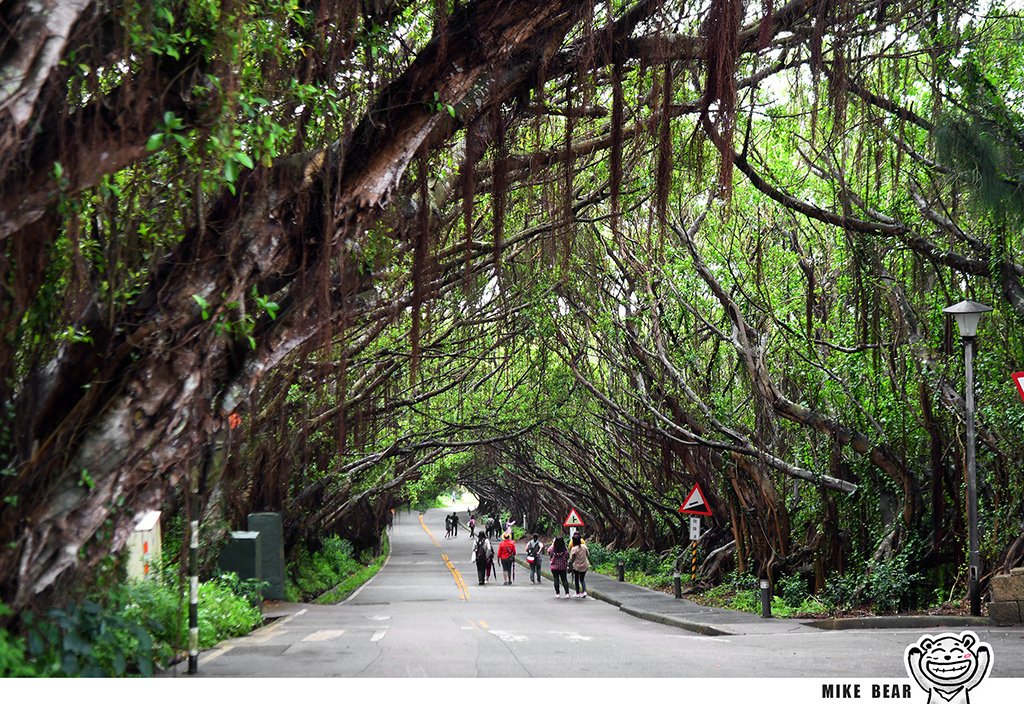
(1007, 605)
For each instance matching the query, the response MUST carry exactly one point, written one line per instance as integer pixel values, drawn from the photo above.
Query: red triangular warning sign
(1018, 378)
(573, 520)
(695, 503)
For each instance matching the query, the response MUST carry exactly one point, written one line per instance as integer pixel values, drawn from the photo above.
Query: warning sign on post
(695, 503)
(573, 520)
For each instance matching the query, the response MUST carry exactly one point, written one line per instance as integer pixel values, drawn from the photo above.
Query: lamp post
(968, 314)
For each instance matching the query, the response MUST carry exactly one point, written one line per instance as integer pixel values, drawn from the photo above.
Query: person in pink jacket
(559, 564)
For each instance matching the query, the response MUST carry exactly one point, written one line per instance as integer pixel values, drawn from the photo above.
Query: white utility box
(144, 546)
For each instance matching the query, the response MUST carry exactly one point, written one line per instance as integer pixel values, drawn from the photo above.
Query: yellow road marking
(456, 575)
(483, 624)
(431, 535)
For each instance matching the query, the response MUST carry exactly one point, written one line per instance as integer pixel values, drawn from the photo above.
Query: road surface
(423, 615)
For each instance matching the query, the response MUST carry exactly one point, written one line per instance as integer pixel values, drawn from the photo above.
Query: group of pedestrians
(451, 526)
(575, 558)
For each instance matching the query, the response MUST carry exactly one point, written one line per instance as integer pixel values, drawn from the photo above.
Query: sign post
(696, 506)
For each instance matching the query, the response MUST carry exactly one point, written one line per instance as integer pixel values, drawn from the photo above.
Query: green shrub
(14, 661)
(840, 591)
(890, 582)
(794, 590)
(91, 639)
(313, 574)
(224, 610)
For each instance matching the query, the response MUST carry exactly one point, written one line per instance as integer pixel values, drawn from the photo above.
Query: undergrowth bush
(128, 629)
(312, 574)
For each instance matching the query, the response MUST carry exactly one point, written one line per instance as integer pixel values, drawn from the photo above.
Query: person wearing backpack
(482, 553)
(533, 552)
(579, 562)
(507, 555)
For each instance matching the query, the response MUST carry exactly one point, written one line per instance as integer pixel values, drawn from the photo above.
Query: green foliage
(794, 589)
(14, 659)
(890, 582)
(312, 574)
(128, 629)
(91, 639)
(742, 593)
(356, 579)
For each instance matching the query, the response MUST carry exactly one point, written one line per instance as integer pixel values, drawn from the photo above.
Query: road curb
(927, 621)
(700, 628)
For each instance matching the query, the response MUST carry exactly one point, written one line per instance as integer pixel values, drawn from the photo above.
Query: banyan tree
(325, 257)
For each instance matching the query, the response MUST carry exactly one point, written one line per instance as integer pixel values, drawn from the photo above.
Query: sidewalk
(659, 607)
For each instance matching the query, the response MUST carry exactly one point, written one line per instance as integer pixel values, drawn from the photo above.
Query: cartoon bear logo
(948, 666)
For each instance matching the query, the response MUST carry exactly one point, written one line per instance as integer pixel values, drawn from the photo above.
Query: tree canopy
(328, 257)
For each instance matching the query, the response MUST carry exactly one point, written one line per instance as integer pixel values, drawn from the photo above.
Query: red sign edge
(565, 523)
(1016, 382)
(695, 489)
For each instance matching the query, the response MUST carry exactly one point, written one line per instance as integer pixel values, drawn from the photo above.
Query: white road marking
(377, 617)
(571, 635)
(509, 637)
(322, 635)
(378, 635)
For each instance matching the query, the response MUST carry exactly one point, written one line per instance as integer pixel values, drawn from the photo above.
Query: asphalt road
(424, 615)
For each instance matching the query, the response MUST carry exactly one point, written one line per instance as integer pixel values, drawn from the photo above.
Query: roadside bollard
(677, 585)
(766, 599)
(621, 570)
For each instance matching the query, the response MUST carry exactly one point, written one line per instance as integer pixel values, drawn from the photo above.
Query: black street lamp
(968, 314)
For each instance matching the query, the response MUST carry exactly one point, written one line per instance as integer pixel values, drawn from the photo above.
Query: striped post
(693, 570)
(193, 581)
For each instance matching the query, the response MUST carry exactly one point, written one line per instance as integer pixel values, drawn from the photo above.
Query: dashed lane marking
(378, 635)
(456, 575)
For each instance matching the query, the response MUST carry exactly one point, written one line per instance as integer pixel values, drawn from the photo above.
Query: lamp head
(967, 314)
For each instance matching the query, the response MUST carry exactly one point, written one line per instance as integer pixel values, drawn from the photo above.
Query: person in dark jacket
(482, 554)
(559, 564)
(533, 557)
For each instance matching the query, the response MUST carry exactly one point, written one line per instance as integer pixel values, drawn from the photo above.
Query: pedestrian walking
(482, 554)
(579, 563)
(447, 526)
(472, 526)
(455, 524)
(559, 557)
(507, 555)
(533, 553)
